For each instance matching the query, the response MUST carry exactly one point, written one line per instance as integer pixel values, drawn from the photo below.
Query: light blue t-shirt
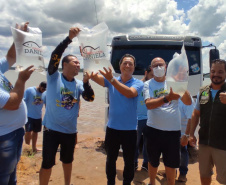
(10, 120)
(141, 108)
(34, 102)
(123, 110)
(62, 103)
(213, 94)
(165, 117)
(186, 113)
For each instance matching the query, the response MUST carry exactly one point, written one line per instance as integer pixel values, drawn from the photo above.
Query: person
(34, 102)
(121, 127)
(62, 106)
(210, 109)
(141, 127)
(13, 116)
(186, 113)
(163, 124)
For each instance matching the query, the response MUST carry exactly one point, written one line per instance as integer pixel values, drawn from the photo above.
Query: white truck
(146, 47)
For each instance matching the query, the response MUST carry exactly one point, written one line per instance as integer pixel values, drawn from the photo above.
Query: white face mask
(159, 71)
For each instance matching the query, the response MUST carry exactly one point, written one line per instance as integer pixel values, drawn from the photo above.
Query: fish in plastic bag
(177, 73)
(28, 49)
(93, 47)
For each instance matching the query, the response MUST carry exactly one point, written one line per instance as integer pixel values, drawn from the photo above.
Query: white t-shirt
(10, 119)
(166, 117)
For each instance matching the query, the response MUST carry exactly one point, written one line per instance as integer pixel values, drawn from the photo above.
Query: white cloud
(207, 16)
(54, 18)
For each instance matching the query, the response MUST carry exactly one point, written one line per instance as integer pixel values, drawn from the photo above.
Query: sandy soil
(89, 157)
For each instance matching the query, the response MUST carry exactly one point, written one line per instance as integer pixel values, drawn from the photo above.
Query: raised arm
(57, 53)
(99, 79)
(11, 54)
(88, 93)
(16, 94)
(126, 91)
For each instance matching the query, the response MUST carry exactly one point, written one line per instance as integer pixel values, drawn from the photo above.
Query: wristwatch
(187, 136)
(112, 80)
(165, 100)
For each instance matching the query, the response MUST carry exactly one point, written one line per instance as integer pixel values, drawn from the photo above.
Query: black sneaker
(145, 166)
(135, 166)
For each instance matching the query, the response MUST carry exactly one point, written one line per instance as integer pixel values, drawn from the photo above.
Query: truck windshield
(144, 55)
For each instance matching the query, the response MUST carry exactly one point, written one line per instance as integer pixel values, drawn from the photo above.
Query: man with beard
(211, 109)
(34, 102)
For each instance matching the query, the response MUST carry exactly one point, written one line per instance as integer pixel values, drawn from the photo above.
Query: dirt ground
(89, 157)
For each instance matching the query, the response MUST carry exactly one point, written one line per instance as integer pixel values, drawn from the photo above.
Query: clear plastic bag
(177, 73)
(93, 47)
(28, 49)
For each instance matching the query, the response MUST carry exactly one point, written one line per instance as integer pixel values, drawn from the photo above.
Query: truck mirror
(213, 54)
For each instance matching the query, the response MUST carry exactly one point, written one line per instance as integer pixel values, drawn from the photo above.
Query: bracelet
(112, 80)
(187, 136)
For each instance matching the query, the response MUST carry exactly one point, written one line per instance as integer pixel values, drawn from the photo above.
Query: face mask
(159, 71)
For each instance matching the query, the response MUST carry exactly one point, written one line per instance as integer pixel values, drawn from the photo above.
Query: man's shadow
(139, 176)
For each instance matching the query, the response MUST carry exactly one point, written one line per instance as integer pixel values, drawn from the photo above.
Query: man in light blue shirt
(13, 117)
(186, 114)
(62, 106)
(142, 120)
(34, 102)
(122, 124)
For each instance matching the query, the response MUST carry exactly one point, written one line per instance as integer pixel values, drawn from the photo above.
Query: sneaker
(145, 166)
(182, 178)
(135, 166)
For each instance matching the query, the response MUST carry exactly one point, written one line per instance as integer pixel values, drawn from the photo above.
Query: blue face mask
(159, 71)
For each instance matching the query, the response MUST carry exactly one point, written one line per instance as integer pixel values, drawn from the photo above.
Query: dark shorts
(34, 125)
(51, 141)
(166, 143)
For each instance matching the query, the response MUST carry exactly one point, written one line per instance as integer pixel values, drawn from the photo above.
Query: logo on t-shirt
(67, 101)
(159, 93)
(37, 100)
(5, 83)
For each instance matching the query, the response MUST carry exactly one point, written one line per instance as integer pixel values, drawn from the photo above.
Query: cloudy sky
(203, 18)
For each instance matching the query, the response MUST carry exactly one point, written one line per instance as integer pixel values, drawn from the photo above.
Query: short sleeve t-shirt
(166, 117)
(123, 110)
(62, 103)
(34, 102)
(10, 119)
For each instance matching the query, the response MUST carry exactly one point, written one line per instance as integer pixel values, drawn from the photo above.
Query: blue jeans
(141, 130)
(10, 152)
(184, 160)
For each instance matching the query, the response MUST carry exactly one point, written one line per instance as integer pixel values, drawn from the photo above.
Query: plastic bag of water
(177, 73)
(93, 47)
(28, 49)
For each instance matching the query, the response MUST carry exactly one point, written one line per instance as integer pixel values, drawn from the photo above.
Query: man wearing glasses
(163, 124)
(34, 102)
